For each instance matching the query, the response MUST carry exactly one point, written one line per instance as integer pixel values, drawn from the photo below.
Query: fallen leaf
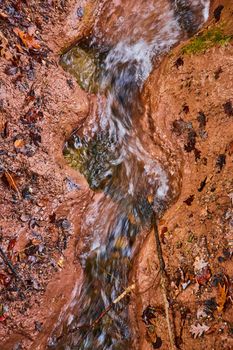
(19, 143)
(201, 313)
(4, 51)
(132, 218)
(198, 330)
(19, 47)
(28, 40)
(222, 296)
(210, 305)
(150, 199)
(3, 317)
(12, 182)
(149, 314)
(2, 123)
(203, 276)
(228, 108)
(189, 200)
(121, 242)
(60, 262)
(4, 279)
(11, 244)
(32, 116)
(3, 14)
(3, 312)
(231, 197)
(199, 264)
(202, 270)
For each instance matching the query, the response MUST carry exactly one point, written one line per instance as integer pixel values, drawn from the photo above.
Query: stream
(131, 184)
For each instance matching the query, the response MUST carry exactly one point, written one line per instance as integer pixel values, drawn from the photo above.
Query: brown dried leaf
(12, 182)
(189, 200)
(203, 276)
(28, 40)
(4, 51)
(3, 14)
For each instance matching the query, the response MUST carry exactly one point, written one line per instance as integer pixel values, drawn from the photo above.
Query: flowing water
(131, 182)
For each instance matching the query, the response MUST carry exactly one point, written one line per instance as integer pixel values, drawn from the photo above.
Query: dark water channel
(130, 183)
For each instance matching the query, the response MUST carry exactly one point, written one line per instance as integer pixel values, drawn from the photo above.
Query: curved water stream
(131, 182)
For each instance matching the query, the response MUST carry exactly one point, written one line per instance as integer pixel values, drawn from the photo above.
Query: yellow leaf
(60, 262)
(19, 143)
(222, 297)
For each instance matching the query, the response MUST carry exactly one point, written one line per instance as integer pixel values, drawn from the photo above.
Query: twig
(164, 286)
(119, 298)
(107, 309)
(9, 264)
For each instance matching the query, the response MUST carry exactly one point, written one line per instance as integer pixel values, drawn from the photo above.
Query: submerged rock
(83, 64)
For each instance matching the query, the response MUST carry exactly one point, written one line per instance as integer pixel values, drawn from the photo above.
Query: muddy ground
(189, 99)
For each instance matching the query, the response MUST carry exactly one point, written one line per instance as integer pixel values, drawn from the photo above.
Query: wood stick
(11, 267)
(164, 285)
(109, 307)
(8, 262)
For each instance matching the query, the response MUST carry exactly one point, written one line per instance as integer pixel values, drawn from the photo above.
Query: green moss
(206, 40)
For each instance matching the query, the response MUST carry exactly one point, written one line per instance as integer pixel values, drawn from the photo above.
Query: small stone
(221, 259)
(38, 326)
(24, 217)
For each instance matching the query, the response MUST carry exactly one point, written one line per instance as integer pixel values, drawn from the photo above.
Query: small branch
(109, 307)
(164, 285)
(11, 267)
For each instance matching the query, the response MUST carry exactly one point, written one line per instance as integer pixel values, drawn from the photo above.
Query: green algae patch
(203, 41)
(84, 65)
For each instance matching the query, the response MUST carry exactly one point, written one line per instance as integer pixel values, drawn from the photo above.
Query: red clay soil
(42, 199)
(190, 102)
